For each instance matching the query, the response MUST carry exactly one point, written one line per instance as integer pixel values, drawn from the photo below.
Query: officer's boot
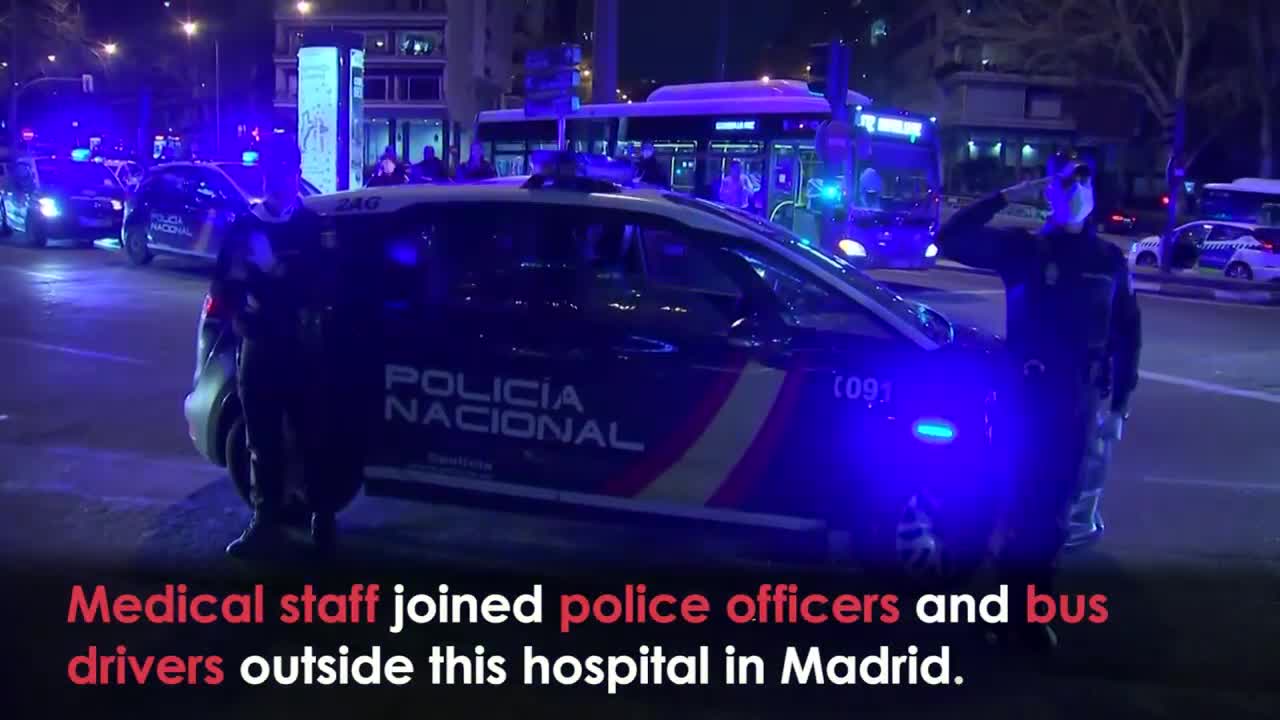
(324, 533)
(263, 536)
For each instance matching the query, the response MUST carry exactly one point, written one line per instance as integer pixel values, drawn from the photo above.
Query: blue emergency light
(80, 154)
(830, 192)
(934, 430)
(249, 157)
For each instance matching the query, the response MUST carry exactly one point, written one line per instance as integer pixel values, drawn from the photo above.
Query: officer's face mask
(1070, 199)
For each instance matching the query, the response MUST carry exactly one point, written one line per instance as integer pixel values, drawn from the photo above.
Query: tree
(1263, 28)
(1149, 45)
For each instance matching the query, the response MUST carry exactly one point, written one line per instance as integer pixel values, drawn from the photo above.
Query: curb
(1243, 296)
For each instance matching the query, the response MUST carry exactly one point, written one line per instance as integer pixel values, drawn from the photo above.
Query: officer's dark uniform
(1074, 336)
(266, 301)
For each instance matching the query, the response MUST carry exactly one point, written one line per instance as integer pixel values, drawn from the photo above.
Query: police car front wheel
(135, 245)
(296, 511)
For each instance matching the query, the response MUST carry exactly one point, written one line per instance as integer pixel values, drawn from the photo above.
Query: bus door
(509, 158)
(794, 181)
(720, 154)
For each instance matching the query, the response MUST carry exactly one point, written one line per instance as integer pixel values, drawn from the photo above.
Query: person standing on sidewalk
(1074, 336)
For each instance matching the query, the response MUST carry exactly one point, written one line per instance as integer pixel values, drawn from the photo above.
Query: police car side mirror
(757, 332)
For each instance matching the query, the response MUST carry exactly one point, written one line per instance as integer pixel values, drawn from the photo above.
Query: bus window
(679, 157)
(750, 154)
(894, 176)
(794, 167)
(509, 158)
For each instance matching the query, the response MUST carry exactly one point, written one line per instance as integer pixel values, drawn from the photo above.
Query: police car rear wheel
(135, 245)
(914, 540)
(296, 511)
(1240, 271)
(1147, 259)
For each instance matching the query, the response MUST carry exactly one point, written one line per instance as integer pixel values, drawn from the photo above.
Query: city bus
(770, 127)
(1249, 200)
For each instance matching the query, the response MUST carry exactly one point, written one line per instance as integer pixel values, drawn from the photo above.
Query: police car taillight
(211, 307)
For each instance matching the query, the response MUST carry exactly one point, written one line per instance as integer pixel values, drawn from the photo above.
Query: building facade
(1000, 124)
(430, 66)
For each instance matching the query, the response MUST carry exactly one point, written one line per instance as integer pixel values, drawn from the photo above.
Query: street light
(190, 27)
(53, 58)
(304, 7)
(764, 78)
(110, 48)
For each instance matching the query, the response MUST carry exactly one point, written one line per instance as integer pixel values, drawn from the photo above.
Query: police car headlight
(931, 251)
(852, 248)
(49, 207)
(117, 205)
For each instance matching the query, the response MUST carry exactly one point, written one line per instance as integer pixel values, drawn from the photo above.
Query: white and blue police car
(1240, 250)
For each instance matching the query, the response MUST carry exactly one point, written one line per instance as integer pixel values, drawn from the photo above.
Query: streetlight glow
(764, 78)
(190, 27)
(110, 48)
(53, 58)
(304, 7)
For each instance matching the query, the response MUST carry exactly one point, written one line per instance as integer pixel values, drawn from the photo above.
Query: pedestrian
(648, 170)
(1074, 336)
(476, 167)
(388, 172)
(430, 169)
(734, 187)
(263, 275)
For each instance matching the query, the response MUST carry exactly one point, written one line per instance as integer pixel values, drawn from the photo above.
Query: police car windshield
(248, 178)
(929, 322)
(75, 176)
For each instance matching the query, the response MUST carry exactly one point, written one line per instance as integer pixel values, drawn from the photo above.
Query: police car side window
(671, 260)
(807, 301)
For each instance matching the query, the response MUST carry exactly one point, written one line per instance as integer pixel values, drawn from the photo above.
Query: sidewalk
(1188, 284)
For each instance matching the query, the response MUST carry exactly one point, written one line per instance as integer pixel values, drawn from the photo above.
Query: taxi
(568, 344)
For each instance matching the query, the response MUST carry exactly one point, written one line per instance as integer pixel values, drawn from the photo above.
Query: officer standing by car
(1074, 337)
(264, 273)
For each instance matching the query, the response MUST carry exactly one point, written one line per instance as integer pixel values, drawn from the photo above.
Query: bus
(770, 127)
(1249, 200)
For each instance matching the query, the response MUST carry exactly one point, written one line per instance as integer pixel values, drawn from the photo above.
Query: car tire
(1239, 271)
(135, 245)
(35, 234)
(910, 542)
(1147, 259)
(295, 512)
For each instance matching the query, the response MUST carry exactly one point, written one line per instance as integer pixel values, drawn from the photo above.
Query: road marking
(1209, 387)
(74, 351)
(1214, 485)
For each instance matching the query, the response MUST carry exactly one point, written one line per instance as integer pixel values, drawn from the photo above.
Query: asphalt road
(96, 470)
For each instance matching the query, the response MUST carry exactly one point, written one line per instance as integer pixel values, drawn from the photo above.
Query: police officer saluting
(263, 274)
(1074, 336)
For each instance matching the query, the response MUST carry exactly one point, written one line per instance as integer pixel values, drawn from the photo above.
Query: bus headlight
(931, 251)
(852, 248)
(49, 207)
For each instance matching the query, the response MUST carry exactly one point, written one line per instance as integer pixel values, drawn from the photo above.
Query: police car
(62, 197)
(187, 208)
(571, 345)
(1239, 250)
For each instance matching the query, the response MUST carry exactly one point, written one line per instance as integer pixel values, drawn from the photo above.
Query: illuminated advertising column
(331, 109)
